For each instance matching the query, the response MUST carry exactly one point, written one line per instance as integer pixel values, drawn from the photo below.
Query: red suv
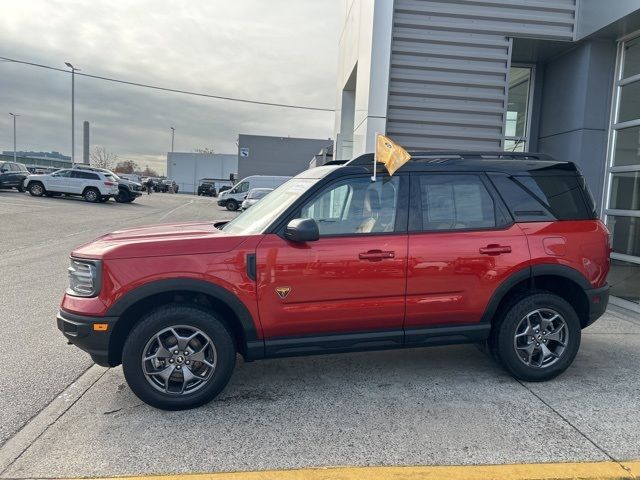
(454, 248)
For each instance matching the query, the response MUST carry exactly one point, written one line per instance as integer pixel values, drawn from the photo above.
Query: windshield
(263, 213)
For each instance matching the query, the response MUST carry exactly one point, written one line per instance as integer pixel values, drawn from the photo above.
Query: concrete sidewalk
(437, 406)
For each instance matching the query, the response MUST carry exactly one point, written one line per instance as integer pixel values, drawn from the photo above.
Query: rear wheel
(232, 205)
(537, 338)
(178, 357)
(91, 195)
(36, 189)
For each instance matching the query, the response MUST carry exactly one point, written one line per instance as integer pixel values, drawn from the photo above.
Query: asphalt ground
(36, 237)
(431, 406)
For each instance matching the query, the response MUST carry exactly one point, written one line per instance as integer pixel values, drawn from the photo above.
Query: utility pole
(14, 115)
(173, 132)
(73, 112)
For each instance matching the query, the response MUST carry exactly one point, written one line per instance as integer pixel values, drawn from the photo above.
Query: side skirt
(377, 340)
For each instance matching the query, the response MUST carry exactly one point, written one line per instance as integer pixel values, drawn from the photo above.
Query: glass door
(622, 212)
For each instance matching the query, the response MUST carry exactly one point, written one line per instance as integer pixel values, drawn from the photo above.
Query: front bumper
(79, 330)
(598, 300)
(222, 203)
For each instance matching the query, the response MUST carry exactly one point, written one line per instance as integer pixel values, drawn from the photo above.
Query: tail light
(109, 184)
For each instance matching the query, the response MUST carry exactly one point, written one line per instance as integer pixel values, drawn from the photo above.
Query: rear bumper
(598, 300)
(79, 330)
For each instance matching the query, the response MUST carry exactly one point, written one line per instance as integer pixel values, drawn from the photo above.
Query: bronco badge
(283, 291)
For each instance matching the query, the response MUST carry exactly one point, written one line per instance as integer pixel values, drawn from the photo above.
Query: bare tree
(127, 166)
(102, 158)
(149, 172)
(204, 150)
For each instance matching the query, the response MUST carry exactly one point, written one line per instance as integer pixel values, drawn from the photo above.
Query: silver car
(254, 196)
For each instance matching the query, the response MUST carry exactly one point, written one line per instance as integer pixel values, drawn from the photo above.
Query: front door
(59, 181)
(350, 280)
(462, 246)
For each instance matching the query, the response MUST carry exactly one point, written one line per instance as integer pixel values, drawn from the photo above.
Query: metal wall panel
(450, 64)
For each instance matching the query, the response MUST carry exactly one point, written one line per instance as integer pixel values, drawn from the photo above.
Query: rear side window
(455, 202)
(542, 198)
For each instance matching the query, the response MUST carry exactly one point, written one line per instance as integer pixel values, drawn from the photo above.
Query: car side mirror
(302, 230)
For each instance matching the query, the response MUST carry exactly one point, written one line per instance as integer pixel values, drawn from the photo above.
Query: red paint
(342, 284)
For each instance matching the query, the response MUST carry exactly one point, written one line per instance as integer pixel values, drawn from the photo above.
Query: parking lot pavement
(36, 236)
(431, 406)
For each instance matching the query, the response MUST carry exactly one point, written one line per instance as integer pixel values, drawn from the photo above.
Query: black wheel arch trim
(530, 273)
(255, 345)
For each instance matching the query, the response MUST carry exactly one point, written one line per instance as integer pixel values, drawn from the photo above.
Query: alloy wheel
(179, 360)
(541, 338)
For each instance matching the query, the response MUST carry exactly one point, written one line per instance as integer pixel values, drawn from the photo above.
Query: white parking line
(174, 209)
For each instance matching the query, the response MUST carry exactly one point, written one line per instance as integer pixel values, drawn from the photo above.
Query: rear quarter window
(536, 198)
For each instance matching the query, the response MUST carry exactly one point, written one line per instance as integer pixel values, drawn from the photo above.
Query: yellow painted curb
(542, 471)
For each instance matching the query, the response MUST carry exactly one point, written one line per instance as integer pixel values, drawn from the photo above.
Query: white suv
(93, 186)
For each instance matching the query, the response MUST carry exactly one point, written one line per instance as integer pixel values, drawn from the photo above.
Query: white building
(187, 169)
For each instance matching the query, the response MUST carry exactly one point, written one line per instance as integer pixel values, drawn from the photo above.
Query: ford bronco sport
(502, 248)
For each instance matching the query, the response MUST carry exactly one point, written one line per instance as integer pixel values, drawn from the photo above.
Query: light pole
(14, 115)
(73, 112)
(173, 132)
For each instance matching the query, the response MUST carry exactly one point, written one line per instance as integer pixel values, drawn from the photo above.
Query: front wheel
(36, 189)
(232, 205)
(122, 196)
(537, 338)
(178, 357)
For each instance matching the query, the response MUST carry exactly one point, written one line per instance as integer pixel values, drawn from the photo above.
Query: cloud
(278, 50)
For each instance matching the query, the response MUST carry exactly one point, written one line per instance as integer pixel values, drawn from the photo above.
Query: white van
(232, 199)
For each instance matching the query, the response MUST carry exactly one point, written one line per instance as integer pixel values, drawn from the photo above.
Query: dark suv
(12, 175)
(454, 248)
(207, 189)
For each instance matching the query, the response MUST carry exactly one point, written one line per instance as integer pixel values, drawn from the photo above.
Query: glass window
(4, 167)
(522, 205)
(455, 202)
(355, 206)
(631, 58)
(242, 187)
(626, 234)
(561, 195)
(62, 173)
(625, 191)
(624, 278)
(265, 212)
(627, 150)
(629, 102)
(518, 101)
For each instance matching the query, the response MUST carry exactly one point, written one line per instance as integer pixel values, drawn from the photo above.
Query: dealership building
(560, 77)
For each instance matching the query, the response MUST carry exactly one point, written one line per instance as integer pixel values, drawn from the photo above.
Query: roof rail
(462, 155)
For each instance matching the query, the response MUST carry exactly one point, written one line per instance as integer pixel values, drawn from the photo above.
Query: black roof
(460, 161)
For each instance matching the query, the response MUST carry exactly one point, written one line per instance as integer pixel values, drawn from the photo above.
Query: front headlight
(84, 278)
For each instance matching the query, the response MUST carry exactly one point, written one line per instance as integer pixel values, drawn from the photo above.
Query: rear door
(350, 280)
(462, 245)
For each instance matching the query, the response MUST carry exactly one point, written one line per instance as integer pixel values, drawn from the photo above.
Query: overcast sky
(282, 51)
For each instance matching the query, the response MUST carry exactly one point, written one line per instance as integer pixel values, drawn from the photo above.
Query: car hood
(160, 240)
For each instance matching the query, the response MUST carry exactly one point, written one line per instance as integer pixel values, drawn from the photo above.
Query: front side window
(455, 202)
(242, 187)
(355, 206)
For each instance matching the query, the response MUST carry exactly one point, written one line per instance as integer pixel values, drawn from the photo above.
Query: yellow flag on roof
(390, 153)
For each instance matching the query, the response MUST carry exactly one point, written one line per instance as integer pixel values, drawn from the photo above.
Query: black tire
(20, 187)
(91, 195)
(173, 316)
(502, 341)
(122, 196)
(36, 189)
(232, 205)
(104, 199)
